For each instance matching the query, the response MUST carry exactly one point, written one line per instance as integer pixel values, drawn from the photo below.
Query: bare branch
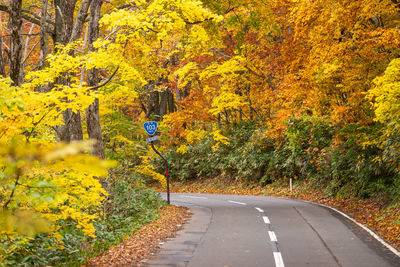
(26, 17)
(37, 17)
(30, 52)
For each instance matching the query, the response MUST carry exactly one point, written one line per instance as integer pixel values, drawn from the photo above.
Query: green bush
(129, 206)
(346, 160)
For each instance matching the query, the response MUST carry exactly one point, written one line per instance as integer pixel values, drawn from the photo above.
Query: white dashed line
(278, 259)
(235, 202)
(266, 220)
(272, 236)
(260, 210)
(195, 197)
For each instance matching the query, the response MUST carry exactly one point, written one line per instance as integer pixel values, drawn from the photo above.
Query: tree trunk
(171, 102)
(2, 62)
(94, 129)
(64, 25)
(92, 113)
(15, 25)
(163, 103)
(64, 20)
(153, 101)
(75, 126)
(72, 130)
(43, 36)
(249, 101)
(80, 19)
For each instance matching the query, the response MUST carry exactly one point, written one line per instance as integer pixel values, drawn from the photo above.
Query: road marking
(260, 210)
(195, 197)
(235, 202)
(278, 259)
(272, 236)
(266, 220)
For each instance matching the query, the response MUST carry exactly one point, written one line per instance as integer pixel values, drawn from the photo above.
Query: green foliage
(238, 158)
(129, 206)
(340, 161)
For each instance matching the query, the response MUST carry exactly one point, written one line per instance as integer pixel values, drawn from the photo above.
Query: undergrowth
(129, 206)
(335, 160)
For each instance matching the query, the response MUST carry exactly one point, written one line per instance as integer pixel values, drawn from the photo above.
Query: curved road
(231, 230)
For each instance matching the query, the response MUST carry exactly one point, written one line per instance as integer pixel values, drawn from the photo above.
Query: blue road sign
(150, 127)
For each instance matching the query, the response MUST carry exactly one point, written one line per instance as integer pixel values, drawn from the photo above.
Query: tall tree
(15, 24)
(92, 112)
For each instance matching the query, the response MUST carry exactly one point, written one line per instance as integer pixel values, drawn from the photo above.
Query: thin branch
(23, 34)
(106, 81)
(18, 176)
(27, 39)
(255, 73)
(36, 187)
(113, 74)
(35, 124)
(30, 52)
(38, 17)
(196, 22)
(26, 17)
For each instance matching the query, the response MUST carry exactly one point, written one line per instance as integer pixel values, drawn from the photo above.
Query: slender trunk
(2, 62)
(25, 54)
(226, 116)
(92, 113)
(15, 24)
(178, 99)
(43, 36)
(249, 101)
(163, 103)
(171, 102)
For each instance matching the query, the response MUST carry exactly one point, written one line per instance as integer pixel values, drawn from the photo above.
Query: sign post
(151, 128)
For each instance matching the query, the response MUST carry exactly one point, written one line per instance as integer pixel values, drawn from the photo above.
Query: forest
(252, 91)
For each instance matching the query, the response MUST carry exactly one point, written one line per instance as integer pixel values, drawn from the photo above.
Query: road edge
(180, 249)
(368, 230)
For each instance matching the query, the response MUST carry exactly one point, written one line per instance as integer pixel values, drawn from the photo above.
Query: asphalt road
(228, 230)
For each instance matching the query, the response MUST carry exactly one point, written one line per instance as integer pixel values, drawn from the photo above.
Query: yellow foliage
(226, 101)
(145, 168)
(386, 94)
(219, 138)
(42, 182)
(183, 149)
(194, 136)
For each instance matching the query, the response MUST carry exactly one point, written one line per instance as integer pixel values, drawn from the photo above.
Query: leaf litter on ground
(146, 241)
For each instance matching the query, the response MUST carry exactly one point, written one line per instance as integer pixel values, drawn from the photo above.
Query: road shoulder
(179, 250)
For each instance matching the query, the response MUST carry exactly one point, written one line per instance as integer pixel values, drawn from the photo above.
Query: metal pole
(166, 170)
